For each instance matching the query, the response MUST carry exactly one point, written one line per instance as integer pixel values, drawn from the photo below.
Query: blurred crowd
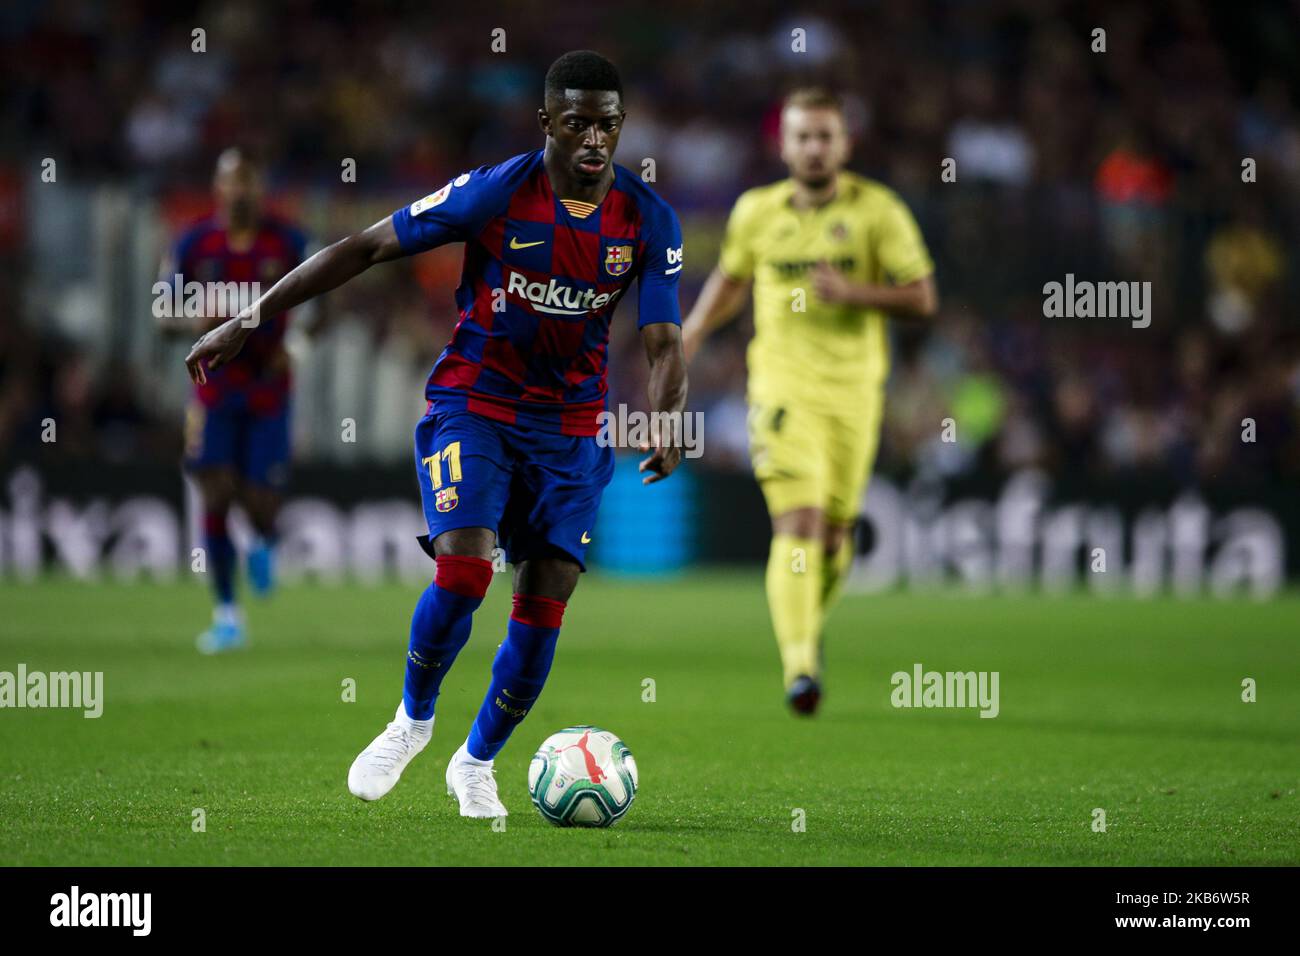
(1165, 149)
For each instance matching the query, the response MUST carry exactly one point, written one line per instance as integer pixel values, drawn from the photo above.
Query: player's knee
(833, 539)
(801, 522)
(554, 578)
(262, 505)
(465, 542)
(216, 506)
(217, 490)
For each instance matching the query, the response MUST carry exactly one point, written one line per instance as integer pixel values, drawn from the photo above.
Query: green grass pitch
(1130, 706)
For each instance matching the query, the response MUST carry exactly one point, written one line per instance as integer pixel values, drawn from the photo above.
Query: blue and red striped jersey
(541, 278)
(258, 377)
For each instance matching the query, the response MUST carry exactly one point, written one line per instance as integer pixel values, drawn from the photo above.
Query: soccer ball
(582, 777)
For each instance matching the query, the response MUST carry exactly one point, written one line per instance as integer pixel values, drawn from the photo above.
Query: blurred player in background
(554, 240)
(237, 425)
(829, 254)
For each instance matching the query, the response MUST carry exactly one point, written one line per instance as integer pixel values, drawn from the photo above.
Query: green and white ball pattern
(582, 777)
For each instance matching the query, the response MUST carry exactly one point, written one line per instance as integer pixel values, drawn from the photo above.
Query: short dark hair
(814, 98)
(582, 70)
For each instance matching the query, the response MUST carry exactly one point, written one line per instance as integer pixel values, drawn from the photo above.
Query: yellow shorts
(814, 459)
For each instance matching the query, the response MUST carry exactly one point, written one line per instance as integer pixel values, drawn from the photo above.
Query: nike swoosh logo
(586, 538)
(516, 244)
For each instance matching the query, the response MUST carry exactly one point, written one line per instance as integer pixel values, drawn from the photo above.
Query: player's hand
(663, 459)
(828, 284)
(216, 348)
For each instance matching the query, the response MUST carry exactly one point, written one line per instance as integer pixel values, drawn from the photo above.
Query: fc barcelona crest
(446, 499)
(618, 259)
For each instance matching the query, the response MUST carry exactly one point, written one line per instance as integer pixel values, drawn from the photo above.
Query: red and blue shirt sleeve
(459, 210)
(657, 299)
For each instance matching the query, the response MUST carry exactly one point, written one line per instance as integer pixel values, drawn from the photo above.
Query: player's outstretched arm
(667, 393)
(720, 301)
(326, 270)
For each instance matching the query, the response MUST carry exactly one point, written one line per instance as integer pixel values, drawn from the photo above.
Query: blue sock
(518, 673)
(221, 556)
(440, 627)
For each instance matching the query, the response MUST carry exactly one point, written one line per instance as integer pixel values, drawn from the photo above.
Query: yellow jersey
(805, 351)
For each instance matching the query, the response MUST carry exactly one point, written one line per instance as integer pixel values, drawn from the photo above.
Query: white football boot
(474, 785)
(378, 768)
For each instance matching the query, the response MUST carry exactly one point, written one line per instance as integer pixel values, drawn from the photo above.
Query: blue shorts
(539, 491)
(256, 446)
